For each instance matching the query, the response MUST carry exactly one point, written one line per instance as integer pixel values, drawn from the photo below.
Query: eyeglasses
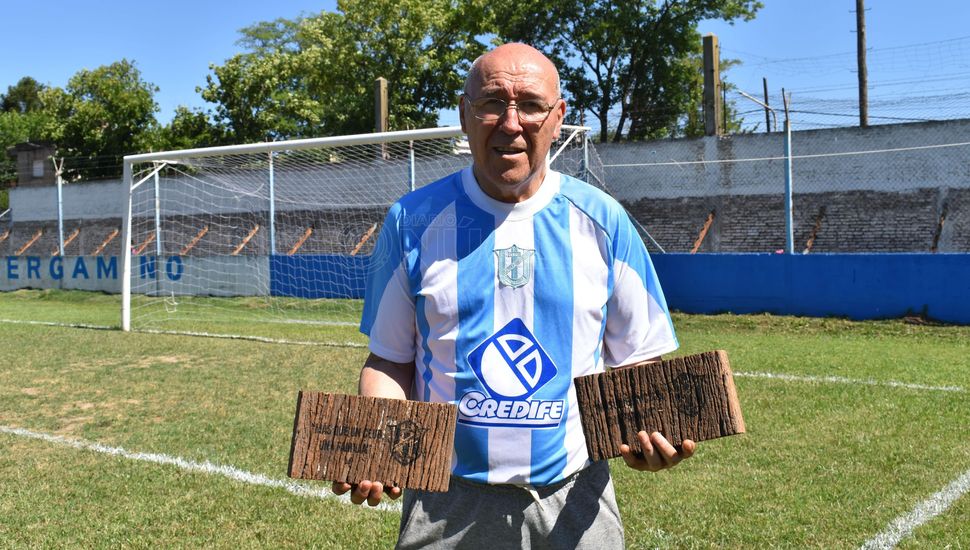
(491, 109)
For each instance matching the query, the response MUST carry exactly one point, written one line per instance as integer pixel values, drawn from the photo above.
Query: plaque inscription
(690, 397)
(351, 438)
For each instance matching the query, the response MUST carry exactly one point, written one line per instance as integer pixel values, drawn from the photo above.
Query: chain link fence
(898, 188)
(892, 188)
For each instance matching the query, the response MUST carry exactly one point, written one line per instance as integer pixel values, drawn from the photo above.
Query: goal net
(272, 240)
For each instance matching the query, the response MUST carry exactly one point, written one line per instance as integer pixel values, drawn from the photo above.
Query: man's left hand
(658, 453)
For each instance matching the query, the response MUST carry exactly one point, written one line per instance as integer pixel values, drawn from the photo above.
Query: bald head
(511, 112)
(519, 57)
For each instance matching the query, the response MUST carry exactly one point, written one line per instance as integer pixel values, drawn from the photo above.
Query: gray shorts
(578, 512)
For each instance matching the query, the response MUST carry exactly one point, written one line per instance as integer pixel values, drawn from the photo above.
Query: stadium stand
(955, 235)
(851, 221)
(841, 222)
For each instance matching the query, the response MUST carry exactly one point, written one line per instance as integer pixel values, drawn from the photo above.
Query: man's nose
(509, 123)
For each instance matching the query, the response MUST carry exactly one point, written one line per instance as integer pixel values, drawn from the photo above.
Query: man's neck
(513, 193)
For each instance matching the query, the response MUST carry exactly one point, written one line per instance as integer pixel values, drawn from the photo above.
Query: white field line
(310, 322)
(903, 526)
(191, 333)
(852, 381)
(53, 324)
(231, 472)
(254, 338)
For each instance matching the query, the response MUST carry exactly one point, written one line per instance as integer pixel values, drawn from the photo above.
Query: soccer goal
(272, 240)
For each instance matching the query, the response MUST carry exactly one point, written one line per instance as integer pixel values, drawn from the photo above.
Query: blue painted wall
(857, 286)
(313, 276)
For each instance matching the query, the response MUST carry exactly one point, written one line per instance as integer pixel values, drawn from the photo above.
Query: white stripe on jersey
(397, 339)
(511, 303)
(649, 327)
(439, 264)
(590, 275)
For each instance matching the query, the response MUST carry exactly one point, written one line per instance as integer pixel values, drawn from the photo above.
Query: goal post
(272, 240)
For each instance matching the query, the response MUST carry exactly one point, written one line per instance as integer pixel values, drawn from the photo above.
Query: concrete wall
(178, 275)
(86, 201)
(30, 155)
(353, 185)
(201, 275)
(893, 171)
(98, 273)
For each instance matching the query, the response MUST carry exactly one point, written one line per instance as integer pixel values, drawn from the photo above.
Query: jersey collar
(508, 210)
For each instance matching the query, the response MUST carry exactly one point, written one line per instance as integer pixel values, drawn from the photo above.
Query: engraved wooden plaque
(689, 397)
(351, 438)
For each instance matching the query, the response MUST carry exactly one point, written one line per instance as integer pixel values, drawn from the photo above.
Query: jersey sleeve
(638, 325)
(389, 307)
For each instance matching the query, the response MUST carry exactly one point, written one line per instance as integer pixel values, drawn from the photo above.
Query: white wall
(179, 275)
(93, 200)
(680, 176)
(99, 273)
(354, 185)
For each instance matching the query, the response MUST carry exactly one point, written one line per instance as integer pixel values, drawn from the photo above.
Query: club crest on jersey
(511, 366)
(515, 266)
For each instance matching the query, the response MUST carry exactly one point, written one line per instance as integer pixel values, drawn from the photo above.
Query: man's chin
(515, 182)
(511, 187)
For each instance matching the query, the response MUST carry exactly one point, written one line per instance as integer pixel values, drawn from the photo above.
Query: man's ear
(461, 112)
(561, 112)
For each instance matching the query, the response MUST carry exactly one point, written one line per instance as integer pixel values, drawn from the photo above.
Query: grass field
(851, 426)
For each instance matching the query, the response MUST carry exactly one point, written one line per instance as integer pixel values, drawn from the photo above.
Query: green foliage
(314, 76)
(637, 58)
(105, 112)
(22, 97)
(189, 128)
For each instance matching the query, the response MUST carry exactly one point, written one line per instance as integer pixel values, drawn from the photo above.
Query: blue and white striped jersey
(501, 305)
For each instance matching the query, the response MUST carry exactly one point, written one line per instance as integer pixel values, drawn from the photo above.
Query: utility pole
(860, 23)
(764, 81)
(789, 217)
(380, 104)
(58, 173)
(713, 107)
(380, 111)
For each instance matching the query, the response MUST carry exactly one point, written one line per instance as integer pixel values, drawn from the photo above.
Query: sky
(807, 46)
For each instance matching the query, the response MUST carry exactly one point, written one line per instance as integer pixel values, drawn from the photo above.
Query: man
(493, 288)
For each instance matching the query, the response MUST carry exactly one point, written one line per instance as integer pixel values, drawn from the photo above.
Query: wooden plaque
(689, 397)
(351, 438)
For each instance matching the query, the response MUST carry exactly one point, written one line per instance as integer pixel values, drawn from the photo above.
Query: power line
(782, 60)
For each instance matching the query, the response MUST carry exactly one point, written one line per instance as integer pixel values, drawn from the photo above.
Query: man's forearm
(383, 378)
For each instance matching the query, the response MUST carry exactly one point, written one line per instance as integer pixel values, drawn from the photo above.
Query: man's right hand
(371, 491)
(379, 378)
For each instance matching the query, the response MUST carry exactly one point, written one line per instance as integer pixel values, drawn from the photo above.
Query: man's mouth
(508, 150)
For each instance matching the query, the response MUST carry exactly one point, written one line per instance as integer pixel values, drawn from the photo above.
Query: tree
(22, 97)
(314, 76)
(188, 129)
(637, 58)
(100, 116)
